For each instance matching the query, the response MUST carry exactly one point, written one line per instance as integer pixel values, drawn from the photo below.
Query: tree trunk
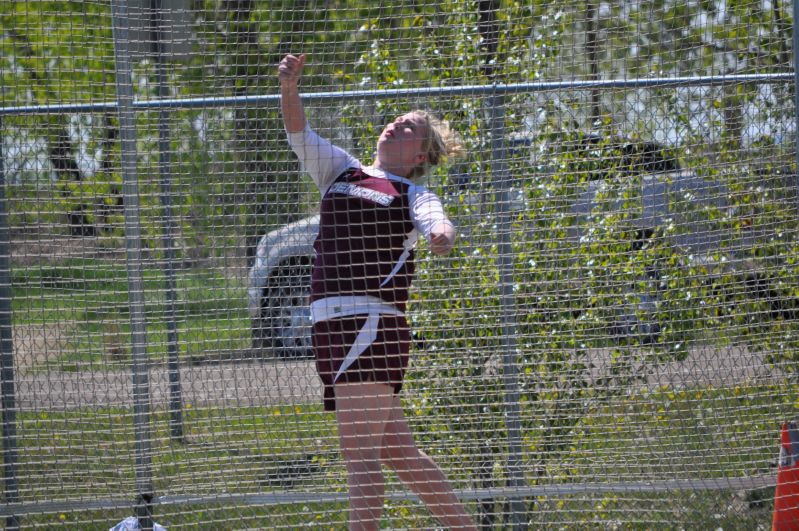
(62, 158)
(592, 56)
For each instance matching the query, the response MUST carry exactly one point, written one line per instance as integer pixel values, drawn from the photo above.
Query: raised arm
(319, 158)
(289, 73)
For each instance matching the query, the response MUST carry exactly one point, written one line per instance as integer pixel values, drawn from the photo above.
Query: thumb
(301, 59)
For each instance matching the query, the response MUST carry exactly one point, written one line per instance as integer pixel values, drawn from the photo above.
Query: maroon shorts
(383, 359)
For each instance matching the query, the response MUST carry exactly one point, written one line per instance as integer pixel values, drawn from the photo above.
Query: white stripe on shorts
(363, 340)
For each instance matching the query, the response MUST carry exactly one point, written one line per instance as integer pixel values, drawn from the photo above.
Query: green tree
(43, 61)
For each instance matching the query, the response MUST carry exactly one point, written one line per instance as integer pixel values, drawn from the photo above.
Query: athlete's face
(402, 141)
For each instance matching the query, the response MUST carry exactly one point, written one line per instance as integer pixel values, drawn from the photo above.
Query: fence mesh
(612, 341)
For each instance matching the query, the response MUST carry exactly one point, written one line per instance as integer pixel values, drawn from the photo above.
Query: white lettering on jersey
(363, 193)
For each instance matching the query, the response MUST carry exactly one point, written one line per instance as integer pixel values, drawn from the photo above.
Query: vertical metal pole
(510, 372)
(165, 164)
(796, 86)
(140, 364)
(10, 488)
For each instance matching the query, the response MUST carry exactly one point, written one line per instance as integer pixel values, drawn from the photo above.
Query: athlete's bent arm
(442, 238)
(431, 221)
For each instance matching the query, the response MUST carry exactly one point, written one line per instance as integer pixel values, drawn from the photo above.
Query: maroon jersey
(366, 238)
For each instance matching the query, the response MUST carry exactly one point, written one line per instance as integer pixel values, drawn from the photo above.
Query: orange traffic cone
(786, 496)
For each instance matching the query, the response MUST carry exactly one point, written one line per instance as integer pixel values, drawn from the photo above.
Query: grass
(89, 299)
(90, 455)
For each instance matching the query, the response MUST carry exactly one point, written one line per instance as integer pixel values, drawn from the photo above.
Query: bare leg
(420, 473)
(362, 411)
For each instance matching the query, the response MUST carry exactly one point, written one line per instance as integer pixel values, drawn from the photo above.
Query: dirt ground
(239, 384)
(36, 344)
(262, 383)
(293, 382)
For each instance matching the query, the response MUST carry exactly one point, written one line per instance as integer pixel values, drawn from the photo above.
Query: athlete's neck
(398, 170)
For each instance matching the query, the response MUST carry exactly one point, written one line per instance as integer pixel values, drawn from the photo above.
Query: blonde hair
(441, 143)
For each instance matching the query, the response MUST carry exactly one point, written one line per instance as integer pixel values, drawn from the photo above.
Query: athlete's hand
(442, 238)
(289, 71)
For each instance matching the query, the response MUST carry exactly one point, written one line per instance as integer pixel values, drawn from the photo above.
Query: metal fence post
(140, 363)
(11, 487)
(796, 87)
(510, 371)
(168, 238)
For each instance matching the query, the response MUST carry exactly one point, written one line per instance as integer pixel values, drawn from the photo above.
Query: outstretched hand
(290, 68)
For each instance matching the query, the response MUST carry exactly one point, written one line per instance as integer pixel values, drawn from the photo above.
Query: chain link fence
(612, 343)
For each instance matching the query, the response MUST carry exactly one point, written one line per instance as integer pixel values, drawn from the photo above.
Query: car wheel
(284, 330)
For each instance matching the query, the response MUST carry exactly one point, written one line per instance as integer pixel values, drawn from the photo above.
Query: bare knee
(359, 454)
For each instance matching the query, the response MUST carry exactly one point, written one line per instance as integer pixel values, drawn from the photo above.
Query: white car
(279, 285)
(279, 281)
